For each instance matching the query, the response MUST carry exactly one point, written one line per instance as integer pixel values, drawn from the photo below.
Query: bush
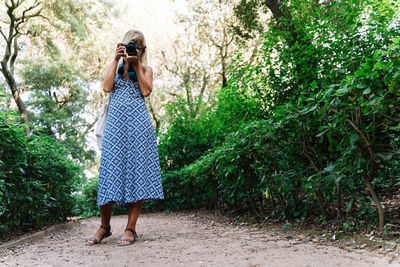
(37, 178)
(312, 121)
(86, 201)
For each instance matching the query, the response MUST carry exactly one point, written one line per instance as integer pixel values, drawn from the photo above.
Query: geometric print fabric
(129, 165)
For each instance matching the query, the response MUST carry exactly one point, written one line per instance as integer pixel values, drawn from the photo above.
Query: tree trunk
(284, 21)
(339, 201)
(370, 176)
(283, 18)
(377, 203)
(15, 93)
(158, 124)
(320, 201)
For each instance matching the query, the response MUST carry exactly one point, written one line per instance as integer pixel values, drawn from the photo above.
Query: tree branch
(35, 5)
(4, 36)
(369, 147)
(14, 55)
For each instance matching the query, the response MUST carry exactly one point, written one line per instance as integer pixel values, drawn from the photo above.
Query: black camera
(131, 48)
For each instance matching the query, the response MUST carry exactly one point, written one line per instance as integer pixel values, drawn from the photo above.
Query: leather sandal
(130, 241)
(106, 234)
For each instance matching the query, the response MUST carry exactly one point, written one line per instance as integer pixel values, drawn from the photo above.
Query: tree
(36, 25)
(200, 55)
(58, 104)
(16, 22)
(338, 78)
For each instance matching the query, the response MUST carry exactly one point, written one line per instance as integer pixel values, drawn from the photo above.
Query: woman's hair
(137, 37)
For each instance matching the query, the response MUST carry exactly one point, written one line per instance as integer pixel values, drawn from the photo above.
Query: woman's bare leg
(133, 214)
(105, 212)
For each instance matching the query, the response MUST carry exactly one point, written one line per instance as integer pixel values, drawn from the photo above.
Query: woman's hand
(134, 60)
(119, 52)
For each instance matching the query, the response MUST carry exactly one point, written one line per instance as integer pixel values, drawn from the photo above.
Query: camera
(131, 48)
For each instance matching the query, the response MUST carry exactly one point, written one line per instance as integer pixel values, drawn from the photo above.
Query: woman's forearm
(108, 83)
(145, 82)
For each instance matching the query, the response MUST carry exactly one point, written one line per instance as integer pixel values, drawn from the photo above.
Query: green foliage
(313, 121)
(57, 104)
(86, 201)
(183, 143)
(37, 178)
(86, 206)
(188, 137)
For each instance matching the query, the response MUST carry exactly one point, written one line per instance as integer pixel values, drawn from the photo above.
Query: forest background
(276, 109)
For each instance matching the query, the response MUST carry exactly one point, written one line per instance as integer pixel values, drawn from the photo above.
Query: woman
(129, 168)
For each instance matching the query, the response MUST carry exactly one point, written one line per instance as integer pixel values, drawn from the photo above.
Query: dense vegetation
(37, 179)
(310, 129)
(45, 148)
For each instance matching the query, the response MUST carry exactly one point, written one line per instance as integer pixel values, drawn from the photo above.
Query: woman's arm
(145, 78)
(108, 83)
(144, 75)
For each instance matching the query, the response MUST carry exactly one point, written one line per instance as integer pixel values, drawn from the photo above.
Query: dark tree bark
(368, 177)
(11, 47)
(158, 124)
(283, 18)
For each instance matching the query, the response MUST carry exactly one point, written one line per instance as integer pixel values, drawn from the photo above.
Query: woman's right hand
(119, 52)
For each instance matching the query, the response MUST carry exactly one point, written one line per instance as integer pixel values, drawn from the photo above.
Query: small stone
(362, 246)
(391, 245)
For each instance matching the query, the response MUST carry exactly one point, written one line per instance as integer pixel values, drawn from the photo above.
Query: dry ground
(187, 239)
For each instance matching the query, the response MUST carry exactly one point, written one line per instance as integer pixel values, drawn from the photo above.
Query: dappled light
(279, 115)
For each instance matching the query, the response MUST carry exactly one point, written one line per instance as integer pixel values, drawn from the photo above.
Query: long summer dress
(129, 165)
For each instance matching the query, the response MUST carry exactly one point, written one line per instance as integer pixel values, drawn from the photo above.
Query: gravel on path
(183, 239)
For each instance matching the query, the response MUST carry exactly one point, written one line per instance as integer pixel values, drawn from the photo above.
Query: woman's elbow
(147, 93)
(106, 89)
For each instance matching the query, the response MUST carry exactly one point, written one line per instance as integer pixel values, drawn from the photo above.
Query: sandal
(130, 241)
(106, 234)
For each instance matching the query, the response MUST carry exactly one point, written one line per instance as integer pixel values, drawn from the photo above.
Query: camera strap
(131, 72)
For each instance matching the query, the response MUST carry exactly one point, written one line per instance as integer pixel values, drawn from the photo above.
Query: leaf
(349, 205)
(342, 90)
(314, 84)
(367, 91)
(376, 54)
(379, 65)
(391, 87)
(338, 179)
(322, 133)
(329, 168)
(354, 138)
(307, 110)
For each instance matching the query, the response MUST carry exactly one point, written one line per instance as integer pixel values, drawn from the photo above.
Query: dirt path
(184, 239)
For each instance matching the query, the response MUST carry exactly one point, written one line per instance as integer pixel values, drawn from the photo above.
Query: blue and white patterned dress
(129, 165)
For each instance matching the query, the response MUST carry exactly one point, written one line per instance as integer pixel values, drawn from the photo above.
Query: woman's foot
(128, 237)
(103, 232)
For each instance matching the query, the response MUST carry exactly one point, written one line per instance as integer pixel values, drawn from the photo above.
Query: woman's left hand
(135, 60)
